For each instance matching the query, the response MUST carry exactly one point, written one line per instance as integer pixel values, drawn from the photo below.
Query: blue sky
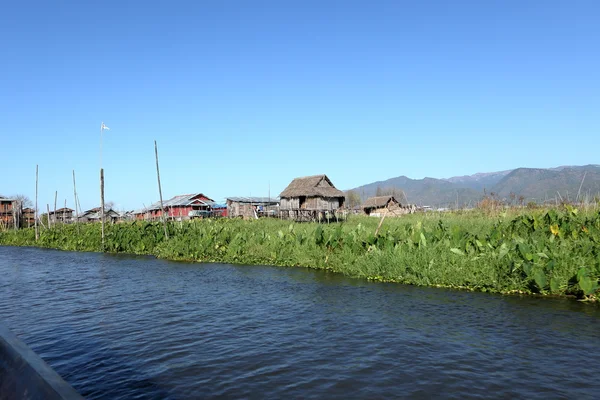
(243, 95)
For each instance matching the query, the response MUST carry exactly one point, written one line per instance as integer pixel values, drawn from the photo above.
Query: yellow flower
(554, 229)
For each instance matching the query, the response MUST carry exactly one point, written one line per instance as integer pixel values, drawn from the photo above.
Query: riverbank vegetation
(552, 251)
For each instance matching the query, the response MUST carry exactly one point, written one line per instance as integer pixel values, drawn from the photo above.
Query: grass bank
(545, 252)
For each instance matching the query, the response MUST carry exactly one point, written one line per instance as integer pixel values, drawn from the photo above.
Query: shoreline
(546, 253)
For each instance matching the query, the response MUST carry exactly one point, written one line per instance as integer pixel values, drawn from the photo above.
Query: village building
(218, 210)
(385, 205)
(252, 207)
(127, 216)
(63, 215)
(10, 213)
(179, 207)
(28, 217)
(311, 198)
(95, 215)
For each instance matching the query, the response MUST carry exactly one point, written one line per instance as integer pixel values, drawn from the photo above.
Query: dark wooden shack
(252, 207)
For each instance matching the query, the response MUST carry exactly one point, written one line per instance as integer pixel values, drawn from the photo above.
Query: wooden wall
(311, 203)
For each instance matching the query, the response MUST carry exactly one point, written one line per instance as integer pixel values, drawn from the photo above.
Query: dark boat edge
(24, 375)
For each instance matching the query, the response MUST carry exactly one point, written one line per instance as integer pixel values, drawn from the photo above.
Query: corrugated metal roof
(97, 215)
(177, 201)
(271, 200)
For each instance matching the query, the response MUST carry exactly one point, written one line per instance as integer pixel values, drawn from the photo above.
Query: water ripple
(121, 327)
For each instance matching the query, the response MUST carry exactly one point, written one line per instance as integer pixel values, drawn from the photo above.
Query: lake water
(125, 327)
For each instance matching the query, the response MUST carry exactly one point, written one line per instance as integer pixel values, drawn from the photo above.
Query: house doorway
(302, 202)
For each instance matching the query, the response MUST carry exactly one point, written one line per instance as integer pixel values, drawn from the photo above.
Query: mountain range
(520, 185)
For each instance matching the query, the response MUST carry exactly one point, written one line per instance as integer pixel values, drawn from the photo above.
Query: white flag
(104, 127)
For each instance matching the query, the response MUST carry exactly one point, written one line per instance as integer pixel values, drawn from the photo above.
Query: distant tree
(379, 191)
(24, 200)
(109, 205)
(352, 198)
(521, 200)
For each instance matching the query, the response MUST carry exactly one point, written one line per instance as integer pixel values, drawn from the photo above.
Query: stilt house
(312, 193)
(95, 215)
(179, 207)
(63, 215)
(10, 213)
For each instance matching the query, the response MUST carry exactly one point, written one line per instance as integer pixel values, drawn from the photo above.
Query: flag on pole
(104, 127)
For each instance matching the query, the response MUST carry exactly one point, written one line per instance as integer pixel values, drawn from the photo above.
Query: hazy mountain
(534, 184)
(545, 184)
(481, 180)
(427, 191)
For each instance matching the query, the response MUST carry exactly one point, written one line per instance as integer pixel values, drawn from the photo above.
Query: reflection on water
(136, 327)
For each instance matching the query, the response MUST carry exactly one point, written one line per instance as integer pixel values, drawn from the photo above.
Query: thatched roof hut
(312, 192)
(379, 202)
(379, 205)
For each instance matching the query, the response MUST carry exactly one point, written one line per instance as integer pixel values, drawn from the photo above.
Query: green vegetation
(536, 251)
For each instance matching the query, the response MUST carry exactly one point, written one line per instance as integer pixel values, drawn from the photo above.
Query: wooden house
(10, 213)
(64, 215)
(179, 207)
(28, 217)
(310, 198)
(95, 215)
(252, 207)
(380, 205)
(312, 193)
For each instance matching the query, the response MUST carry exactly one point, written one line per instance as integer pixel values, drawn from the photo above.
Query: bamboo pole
(102, 203)
(75, 198)
(64, 212)
(381, 222)
(580, 186)
(55, 196)
(48, 219)
(14, 213)
(162, 210)
(37, 235)
(79, 204)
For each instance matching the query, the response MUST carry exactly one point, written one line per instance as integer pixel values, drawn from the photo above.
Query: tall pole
(101, 129)
(162, 210)
(37, 235)
(102, 203)
(54, 219)
(75, 198)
